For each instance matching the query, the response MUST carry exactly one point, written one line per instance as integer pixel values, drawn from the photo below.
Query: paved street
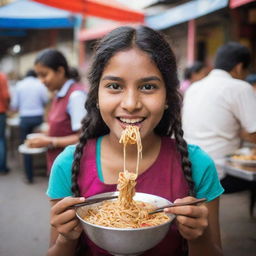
(24, 217)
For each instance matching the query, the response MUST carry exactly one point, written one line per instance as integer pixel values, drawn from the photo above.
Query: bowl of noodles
(124, 226)
(118, 234)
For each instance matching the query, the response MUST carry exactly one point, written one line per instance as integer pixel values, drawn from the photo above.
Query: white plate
(24, 149)
(243, 162)
(242, 151)
(35, 135)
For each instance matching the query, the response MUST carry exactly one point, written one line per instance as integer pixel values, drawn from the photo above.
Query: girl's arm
(56, 142)
(65, 227)
(200, 226)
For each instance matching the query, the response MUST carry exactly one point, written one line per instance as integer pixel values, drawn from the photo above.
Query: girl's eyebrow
(150, 78)
(113, 78)
(145, 79)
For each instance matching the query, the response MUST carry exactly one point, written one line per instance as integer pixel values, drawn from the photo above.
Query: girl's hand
(64, 220)
(191, 220)
(39, 142)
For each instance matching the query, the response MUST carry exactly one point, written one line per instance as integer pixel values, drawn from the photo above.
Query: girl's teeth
(131, 121)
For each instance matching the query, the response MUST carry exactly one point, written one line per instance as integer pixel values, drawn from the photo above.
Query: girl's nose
(131, 101)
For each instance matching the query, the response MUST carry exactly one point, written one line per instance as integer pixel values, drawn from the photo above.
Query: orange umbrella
(108, 9)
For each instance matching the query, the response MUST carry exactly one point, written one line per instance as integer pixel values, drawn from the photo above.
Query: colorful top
(166, 174)
(60, 120)
(4, 94)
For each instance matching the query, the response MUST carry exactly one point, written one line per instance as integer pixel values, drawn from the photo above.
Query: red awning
(237, 3)
(100, 31)
(108, 9)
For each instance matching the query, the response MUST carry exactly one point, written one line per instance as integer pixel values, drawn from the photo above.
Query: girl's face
(52, 79)
(131, 92)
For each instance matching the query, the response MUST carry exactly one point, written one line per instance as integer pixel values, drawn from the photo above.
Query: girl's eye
(114, 86)
(148, 87)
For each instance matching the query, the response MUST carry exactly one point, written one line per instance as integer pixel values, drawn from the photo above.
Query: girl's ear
(61, 71)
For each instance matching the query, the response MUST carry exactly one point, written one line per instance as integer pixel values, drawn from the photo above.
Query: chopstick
(93, 201)
(194, 202)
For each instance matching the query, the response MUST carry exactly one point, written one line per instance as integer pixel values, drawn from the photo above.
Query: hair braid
(183, 149)
(76, 163)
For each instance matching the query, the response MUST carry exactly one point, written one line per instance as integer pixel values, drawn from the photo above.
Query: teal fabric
(98, 162)
(204, 174)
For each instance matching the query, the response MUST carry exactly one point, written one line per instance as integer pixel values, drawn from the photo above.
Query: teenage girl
(133, 80)
(67, 108)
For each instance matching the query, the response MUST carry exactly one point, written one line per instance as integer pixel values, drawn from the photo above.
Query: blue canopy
(184, 12)
(26, 14)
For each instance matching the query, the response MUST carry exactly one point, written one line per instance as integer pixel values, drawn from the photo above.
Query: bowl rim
(171, 216)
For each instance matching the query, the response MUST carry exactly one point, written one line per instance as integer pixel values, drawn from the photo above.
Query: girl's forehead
(42, 67)
(131, 60)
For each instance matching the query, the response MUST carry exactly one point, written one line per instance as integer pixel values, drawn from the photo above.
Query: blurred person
(219, 106)
(193, 73)
(29, 99)
(4, 105)
(251, 79)
(67, 108)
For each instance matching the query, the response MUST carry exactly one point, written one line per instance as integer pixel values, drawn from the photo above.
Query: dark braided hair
(154, 44)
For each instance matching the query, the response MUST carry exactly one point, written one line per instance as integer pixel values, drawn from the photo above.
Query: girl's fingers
(63, 204)
(194, 223)
(70, 226)
(189, 233)
(63, 218)
(193, 211)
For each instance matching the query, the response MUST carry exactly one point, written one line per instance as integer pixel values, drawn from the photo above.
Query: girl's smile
(131, 92)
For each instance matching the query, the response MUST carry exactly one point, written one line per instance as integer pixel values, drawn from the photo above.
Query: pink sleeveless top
(163, 178)
(59, 122)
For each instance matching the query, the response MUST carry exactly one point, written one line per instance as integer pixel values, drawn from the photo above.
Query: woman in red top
(4, 104)
(67, 108)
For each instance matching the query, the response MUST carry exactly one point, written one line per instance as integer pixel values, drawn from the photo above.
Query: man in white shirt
(220, 108)
(29, 99)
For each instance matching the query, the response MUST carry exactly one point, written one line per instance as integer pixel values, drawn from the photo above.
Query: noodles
(125, 212)
(131, 135)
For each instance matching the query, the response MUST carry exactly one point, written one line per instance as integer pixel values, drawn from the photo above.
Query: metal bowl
(126, 241)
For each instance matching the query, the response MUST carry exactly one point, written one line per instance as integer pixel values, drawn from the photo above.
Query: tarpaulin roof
(108, 9)
(26, 14)
(184, 12)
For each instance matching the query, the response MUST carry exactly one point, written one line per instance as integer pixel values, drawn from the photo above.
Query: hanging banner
(237, 3)
(108, 9)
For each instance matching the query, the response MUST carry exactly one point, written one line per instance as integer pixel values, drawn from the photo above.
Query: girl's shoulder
(60, 178)
(198, 154)
(66, 156)
(204, 174)
(200, 160)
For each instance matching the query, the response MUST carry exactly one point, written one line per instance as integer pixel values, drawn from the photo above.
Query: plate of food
(243, 156)
(24, 149)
